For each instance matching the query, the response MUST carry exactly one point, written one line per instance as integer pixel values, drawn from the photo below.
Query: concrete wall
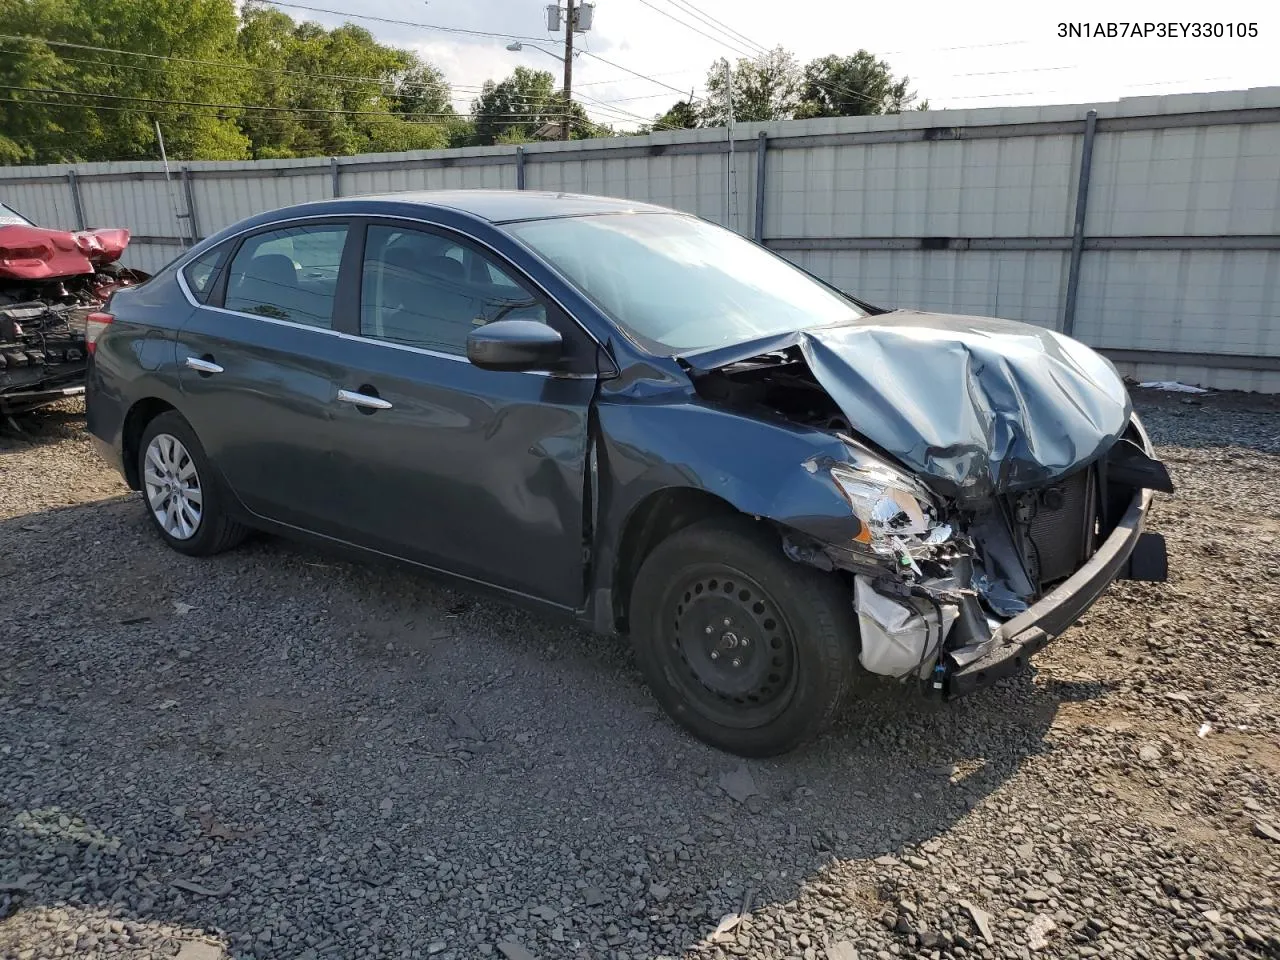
(966, 211)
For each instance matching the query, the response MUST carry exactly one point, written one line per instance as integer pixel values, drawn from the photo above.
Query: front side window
(676, 283)
(426, 290)
(289, 274)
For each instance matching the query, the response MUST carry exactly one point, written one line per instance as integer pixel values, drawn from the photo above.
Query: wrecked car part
(50, 281)
(900, 635)
(976, 406)
(1129, 465)
(998, 595)
(893, 509)
(34, 253)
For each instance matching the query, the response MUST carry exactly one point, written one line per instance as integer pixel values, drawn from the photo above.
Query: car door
(478, 472)
(259, 362)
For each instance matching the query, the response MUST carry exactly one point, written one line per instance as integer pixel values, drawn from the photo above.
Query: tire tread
(220, 532)
(818, 599)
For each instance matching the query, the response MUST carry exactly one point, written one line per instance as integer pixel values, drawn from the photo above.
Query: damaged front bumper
(943, 619)
(1010, 647)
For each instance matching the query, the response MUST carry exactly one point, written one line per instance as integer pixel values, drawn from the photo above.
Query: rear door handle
(363, 400)
(203, 366)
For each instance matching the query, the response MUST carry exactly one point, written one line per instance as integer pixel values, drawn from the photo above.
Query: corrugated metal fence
(1148, 227)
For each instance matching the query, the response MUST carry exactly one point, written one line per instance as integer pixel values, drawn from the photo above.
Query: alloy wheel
(172, 486)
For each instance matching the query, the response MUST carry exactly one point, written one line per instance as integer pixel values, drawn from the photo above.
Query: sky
(981, 53)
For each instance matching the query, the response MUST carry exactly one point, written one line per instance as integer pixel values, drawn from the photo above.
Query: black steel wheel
(747, 649)
(730, 645)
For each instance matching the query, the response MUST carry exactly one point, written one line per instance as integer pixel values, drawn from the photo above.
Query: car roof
(506, 206)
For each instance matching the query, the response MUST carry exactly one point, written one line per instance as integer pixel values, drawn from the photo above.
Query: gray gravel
(279, 754)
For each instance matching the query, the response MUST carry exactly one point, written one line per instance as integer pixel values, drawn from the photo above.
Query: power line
(465, 92)
(229, 64)
(386, 118)
(1039, 93)
(466, 96)
(714, 23)
(724, 43)
(383, 114)
(462, 97)
(626, 116)
(481, 33)
(619, 115)
(403, 23)
(669, 73)
(596, 56)
(440, 87)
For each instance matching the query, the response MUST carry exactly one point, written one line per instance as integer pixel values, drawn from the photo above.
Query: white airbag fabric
(896, 637)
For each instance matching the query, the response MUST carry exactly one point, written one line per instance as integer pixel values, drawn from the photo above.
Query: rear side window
(201, 273)
(289, 274)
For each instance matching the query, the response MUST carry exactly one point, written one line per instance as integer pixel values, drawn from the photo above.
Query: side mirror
(514, 345)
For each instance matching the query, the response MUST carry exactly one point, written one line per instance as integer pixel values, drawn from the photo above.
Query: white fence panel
(965, 211)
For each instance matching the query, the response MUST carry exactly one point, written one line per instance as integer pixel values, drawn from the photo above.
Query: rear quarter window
(202, 273)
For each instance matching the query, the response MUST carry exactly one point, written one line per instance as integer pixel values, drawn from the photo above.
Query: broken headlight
(896, 513)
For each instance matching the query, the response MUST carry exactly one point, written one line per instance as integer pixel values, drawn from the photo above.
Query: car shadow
(279, 741)
(45, 425)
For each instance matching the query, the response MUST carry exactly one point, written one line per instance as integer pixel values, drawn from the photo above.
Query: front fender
(770, 469)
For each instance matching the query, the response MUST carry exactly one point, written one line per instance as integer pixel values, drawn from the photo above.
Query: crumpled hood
(974, 405)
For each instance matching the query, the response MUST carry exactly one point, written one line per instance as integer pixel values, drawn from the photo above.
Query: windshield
(10, 217)
(678, 284)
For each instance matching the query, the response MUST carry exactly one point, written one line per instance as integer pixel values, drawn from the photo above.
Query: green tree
(422, 91)
(524, 107)
(336, 91)
(114, 99)
(764, 88)
(858, 85)
(513, 110)
(682, 116)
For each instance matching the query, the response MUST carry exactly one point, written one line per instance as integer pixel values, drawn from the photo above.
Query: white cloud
(976, 54)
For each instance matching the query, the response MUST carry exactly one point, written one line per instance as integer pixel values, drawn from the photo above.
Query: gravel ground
(279, 754)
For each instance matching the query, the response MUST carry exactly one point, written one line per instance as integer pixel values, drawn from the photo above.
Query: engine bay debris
(50, 281)
(987, 461)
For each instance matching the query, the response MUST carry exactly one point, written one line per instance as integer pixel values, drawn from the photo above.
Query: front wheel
(749, 651)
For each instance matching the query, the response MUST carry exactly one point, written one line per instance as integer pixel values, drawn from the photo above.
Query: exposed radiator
(1062, 527)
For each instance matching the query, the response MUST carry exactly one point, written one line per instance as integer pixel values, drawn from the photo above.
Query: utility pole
(570, 22)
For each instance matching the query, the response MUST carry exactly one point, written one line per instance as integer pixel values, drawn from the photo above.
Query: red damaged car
(50, 281)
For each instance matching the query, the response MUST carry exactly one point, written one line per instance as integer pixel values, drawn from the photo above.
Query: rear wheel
(746, 649)
(180, 490)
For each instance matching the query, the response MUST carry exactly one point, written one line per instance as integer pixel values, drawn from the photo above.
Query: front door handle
(203, 366)
(363, 400)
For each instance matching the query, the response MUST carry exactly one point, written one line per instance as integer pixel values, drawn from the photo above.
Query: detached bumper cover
(1018, 639)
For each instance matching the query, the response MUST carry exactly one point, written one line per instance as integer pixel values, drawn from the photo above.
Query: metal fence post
(74, 185)
(193, 224)
(762, 148)
(335, 177)
(1077, 233)
(519, 168)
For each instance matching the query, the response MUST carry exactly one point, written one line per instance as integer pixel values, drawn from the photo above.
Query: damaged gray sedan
(641, 421)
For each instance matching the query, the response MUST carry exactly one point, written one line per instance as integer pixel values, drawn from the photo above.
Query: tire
(747, 650)
(200, 526)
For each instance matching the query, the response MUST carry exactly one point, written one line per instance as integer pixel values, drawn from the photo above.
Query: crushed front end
(50, 281)
(997, 473)
(989, 584)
